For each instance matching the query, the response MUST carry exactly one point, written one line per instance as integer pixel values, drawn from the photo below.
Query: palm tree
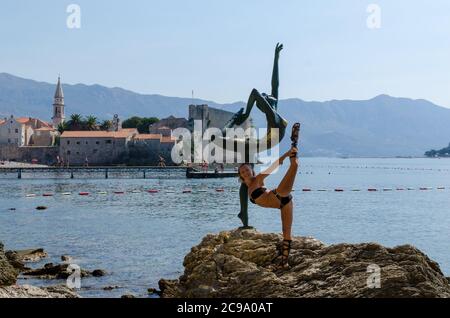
(75, 121)
(106, 125)
(91, 123)
(62, 127)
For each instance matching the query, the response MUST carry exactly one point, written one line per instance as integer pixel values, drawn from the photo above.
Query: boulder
(240, 264)
(66, 258)
(98, 273)
(52, 271)
(31, 255)
(8, 274)
(27, 291)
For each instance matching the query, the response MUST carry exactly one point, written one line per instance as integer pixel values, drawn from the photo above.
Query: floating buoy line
(223, 190)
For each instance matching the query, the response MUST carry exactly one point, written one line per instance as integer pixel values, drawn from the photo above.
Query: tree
(141, 123)
(76, 122)
(106, 125)
(62, 127)
(91, 123)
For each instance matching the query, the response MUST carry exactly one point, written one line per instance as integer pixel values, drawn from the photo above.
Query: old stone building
(212, 117)
(95, 147)
(170, 122)
(23, 131)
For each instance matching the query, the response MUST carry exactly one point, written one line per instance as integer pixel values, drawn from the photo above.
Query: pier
(106, 172)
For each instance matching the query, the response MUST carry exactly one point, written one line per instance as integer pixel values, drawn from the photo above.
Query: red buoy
(84, 193)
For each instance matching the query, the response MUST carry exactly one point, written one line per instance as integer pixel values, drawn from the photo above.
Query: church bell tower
(58, 106)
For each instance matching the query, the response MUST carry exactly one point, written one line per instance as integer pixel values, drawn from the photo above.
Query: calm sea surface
(139, 238)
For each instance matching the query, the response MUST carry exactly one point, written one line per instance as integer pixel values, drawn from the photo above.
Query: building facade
(212, 117)
(95, 147)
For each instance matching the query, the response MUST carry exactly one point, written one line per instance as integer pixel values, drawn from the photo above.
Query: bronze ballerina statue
(268, 104)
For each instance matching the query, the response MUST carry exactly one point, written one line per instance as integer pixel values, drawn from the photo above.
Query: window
(17, 131)
(78, 153)
(9, 141)
(97, 142)
(78, 142)
(108, 141)
(68, 142)
(68, 152)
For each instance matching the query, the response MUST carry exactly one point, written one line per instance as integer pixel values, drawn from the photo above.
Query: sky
(223, 49)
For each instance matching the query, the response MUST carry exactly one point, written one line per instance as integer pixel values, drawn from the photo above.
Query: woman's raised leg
(286, 185)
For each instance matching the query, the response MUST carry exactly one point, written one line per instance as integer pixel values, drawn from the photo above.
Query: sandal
(283, 252)
(295, 134)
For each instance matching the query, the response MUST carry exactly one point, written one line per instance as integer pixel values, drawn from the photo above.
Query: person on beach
(279, 198)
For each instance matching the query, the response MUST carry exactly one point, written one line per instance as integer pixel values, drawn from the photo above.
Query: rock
(239, 264)
(51, 271)
(66, 258)
(8, 274)
(110, 287)
(16, 261)
(98, 273)
(41, 207)
(27, 291)
(153, 291)
(31, 255)
(128, 296)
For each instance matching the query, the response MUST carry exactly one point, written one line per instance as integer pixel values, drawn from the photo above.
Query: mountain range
(383, 126)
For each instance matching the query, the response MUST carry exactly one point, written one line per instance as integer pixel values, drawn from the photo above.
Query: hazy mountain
(382, 126)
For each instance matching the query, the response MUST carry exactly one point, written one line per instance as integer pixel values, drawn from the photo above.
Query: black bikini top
(256, 194)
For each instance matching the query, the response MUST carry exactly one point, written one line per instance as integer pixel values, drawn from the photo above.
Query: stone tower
(58, 105)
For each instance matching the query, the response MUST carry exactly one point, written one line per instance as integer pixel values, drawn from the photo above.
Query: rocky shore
(239, 264)
(13, 262)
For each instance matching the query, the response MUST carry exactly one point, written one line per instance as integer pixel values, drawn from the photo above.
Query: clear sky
(222, 49)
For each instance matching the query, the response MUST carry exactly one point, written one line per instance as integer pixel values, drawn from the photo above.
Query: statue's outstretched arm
(275, 75)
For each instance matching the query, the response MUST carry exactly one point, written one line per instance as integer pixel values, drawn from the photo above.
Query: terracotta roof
(96, 134)
(148, 137)
(45, 129)
(168, 139)
(23, 120)
(2, 121)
